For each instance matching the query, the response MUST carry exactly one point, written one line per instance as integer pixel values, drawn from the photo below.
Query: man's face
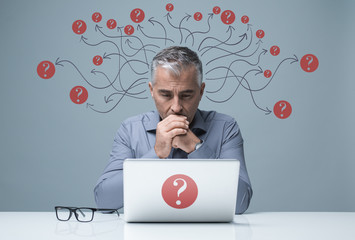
(176, 95)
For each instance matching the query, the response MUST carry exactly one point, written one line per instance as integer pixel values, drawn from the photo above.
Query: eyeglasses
(82, 214)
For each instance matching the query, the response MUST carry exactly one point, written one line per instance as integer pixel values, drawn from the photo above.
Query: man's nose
(176, 105)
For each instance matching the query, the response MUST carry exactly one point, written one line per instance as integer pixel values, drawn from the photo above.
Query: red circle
(111, 24)
(96, 17)
(267, 73)
(79, 94)
(228, 17)
(79, 27)
(216, 10)
(179, 191)
(198, 16)
(169, 7)
(137, 15)
(97, 60)
(129, 29)
(309, 63)
(245, 19)
(260, 33)
(282, 109)
(45, 69)
(275, 50)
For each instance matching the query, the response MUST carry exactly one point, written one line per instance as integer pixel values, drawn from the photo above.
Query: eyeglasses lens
(63, 214)
(84, 214)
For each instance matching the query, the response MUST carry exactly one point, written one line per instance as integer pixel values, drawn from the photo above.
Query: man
(178, 129)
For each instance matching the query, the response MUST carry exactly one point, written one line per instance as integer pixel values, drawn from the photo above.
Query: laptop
(180, 190)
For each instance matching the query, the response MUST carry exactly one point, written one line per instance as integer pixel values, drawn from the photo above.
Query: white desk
(271, 225)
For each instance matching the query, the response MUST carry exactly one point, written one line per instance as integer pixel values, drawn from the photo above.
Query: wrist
(161, 154)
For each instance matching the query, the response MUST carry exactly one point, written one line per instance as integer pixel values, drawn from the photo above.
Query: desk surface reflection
(268, 225)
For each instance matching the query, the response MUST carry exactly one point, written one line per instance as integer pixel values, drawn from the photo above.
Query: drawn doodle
(233, 53)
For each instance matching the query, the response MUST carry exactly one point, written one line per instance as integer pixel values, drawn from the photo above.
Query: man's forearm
(245, 193)
(109, 192)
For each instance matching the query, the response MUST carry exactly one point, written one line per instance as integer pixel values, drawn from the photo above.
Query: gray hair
(177, 59)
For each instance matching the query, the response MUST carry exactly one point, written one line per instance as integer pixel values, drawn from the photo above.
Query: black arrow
(201, 32)
(140, 28)
(107, 100)
(128, 42)
(267, 110)
(294, 59)
(121, 37)
(187, 17)
(230, 30)
(242, 38)
(258, 71)
(60, 63)
(237, 53)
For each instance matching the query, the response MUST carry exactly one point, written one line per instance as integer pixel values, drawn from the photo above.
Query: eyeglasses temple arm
(106, 210)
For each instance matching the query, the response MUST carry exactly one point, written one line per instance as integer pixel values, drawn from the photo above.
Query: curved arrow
(187, 17)
(242, 60)
(237, 52)
(119, 59)
(60, 63)
(243, 37)
(121, 37)
(111, 83)
(128, 42)
(230, 30)
(200, 32)
(267, 110)
(140, 28)
(259, 71)
(294, 59)
(119, 100)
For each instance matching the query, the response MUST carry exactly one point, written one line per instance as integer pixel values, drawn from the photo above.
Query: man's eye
(186, 96)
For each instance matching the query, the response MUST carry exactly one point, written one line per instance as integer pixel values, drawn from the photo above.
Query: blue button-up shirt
(136, 139)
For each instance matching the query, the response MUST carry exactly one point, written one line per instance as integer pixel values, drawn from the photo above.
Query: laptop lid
(180, 190)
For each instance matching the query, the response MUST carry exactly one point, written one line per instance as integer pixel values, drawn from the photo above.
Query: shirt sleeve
(231, 148)
(109, 188)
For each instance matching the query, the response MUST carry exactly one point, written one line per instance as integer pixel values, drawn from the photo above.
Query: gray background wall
(53, 151)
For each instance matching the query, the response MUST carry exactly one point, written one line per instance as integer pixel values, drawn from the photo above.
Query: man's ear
(150, 88)
(202, 89)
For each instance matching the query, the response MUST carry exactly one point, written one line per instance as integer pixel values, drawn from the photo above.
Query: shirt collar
(198, 124)
(152, 121)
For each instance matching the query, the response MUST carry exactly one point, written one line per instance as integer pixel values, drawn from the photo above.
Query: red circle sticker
(179, 191)
(228, 17)
(97, 60)
(79, 94)
(275, 50)
(216, 10)
(111, 24)
(282, 109)
(137, 15)
(79, 27)
(267, 73)
(45, 69)
(245, 19)
(169, 7)
(129, 29)
(309, 63)
(260, 33)
(96, 17)
(198, 16)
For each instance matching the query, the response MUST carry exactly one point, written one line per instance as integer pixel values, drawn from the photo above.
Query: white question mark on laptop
(181, 189)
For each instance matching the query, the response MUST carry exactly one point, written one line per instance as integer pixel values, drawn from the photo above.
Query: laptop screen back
(180, 190)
